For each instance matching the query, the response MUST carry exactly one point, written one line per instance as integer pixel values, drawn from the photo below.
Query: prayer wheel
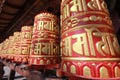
(1, 45)
(5, 48)
(24, 44)
(16, 45)
(45, 40)
(11, 48)
(89, 46)
(2, 54)
(16, 40)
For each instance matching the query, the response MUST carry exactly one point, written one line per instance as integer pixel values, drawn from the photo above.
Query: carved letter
(81, 44)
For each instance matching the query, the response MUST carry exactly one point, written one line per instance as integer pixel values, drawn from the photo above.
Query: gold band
(44, 56)
(86, 13)
(91, 59)
(22, 55)
(86, 26)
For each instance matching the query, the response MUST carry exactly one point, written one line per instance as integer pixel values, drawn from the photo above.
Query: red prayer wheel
(24, 44)
(16, 45)
(3, 54)
(11, 48)
(89, 46)
(6, 46)
(45, 40)
(1, 48)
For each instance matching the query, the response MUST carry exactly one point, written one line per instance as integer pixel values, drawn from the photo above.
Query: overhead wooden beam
(4, 12)
(3, 18)
(12, 6)
(4, 23)
(28, 14)
(19, 20)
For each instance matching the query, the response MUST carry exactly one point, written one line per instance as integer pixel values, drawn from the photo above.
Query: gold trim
(19, 55)
(87, 26)
(90, 59)
(87, 71)
(104, 72)
(44, 56)
(39, 38)
(85, 13)
(91, 12)
(50, 32)
(117, 71)
(73, 69)
(48, 15)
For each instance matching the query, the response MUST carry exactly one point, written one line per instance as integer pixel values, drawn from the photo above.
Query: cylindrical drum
(24, 45)
(16, 45)
(45, 40)
(17, 38)
(11, 48)
(5, 48)
(89, 45)
(1, 49)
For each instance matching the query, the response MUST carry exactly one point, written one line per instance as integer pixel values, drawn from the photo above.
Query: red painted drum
(45, 40)
(24, 45)
(16, 44)
(1, 48)
(11, 48)
(4, 49)
(89, 46)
